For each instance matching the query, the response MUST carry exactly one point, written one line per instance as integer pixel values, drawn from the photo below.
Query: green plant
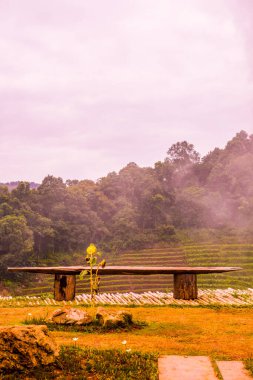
(249, 365)
(92, 255)
(109, 364)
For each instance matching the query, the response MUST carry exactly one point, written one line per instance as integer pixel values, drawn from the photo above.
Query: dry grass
(221, 333)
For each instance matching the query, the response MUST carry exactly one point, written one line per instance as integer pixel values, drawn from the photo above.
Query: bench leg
(64, 287)
(185, 286)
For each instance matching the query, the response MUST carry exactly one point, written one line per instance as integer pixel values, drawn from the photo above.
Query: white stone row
(233, 297)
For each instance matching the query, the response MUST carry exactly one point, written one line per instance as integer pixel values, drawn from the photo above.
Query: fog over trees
(135, 208)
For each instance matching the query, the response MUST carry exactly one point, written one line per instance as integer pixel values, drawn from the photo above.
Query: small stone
(23, 347)
(71, 316)
(114, 319)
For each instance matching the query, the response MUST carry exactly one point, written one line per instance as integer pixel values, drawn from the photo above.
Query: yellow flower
(91, 249)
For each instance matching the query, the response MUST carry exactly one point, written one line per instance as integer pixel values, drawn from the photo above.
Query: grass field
(218, 333)
(191, 255)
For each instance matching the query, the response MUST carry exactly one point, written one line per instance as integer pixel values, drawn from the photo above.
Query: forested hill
(134, 208)
(14, 184)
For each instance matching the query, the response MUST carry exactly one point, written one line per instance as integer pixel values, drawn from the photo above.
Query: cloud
(86, 87)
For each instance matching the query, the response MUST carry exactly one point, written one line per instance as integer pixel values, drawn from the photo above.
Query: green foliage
(109, 364)
(182, 154)
(249, 365)
(166, 232)
(16, 242)
(77, 363)
(15, 236)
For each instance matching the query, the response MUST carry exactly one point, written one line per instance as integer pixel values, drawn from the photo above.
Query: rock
(23, 347)
(71, 316)
(114, 319)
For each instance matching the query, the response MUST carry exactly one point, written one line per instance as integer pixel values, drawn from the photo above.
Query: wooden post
(64, 287)
(185, 286)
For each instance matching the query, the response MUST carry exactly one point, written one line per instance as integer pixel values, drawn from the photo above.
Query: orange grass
(221, 333)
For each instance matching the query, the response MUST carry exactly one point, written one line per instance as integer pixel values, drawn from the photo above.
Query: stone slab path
(172, 367)
(185, 368)
(233, 370)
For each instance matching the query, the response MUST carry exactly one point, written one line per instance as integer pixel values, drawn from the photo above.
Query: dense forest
(132, 209)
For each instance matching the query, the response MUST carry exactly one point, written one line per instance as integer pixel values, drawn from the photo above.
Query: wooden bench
(185, 278)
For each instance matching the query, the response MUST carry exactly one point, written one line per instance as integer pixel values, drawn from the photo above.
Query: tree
(4, 194)
(5, 202)
(43, 235)
(189, 213)
(16, 242)
(22, 191)
(15, 235)
(110, 185)
(240, 144)
(51, 192)
(182, 154)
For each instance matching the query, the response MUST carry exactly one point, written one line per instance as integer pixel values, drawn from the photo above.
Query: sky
(87, 86)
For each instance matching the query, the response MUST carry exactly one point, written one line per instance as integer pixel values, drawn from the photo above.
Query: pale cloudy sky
(87, 86)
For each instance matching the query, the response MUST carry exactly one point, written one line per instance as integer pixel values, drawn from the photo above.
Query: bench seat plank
(125, 270)
(185, 278)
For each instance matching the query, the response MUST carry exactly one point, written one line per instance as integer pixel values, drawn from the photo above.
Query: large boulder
(113, 319)
(23, 347)
(70, 316)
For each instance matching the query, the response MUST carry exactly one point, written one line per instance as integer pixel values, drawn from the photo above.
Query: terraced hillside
(192, 255)
(134, 283)
(222, 255)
